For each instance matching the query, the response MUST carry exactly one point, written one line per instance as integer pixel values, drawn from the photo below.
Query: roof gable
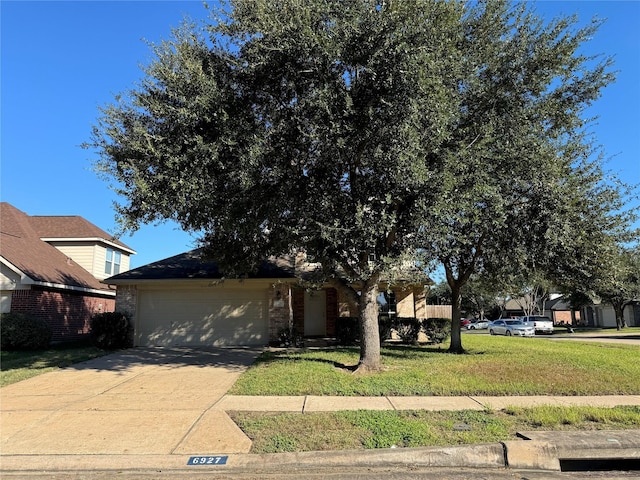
(71, 227)
(23, 250)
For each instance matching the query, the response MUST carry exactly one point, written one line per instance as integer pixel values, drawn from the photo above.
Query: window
(112, 263)
(387, 304)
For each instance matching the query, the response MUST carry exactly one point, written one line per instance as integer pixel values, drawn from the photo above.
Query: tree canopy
(364, 133)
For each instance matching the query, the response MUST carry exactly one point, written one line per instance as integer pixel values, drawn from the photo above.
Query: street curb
(474, 456)
(543, 454)
(531, 455)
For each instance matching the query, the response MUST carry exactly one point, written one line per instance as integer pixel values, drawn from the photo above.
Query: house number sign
(208, 460)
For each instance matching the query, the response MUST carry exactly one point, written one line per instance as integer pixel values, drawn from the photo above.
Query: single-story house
(603, 315)
(597, 314)
(184, 301)
(561, 312)
(52, 267)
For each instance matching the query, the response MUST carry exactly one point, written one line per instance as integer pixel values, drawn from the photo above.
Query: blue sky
(63, 60)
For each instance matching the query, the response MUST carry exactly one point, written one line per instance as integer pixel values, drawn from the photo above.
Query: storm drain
(600, 465)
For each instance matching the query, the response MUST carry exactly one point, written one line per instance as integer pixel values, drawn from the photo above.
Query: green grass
(18, 366)
(492, 366)
(291, 432)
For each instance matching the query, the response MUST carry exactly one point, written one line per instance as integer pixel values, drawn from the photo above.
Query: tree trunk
(618, 308)
(456, 336)
(370, 360)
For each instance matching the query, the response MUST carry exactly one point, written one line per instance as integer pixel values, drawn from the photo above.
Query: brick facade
(67, 312)
(298, 310)
(127, 300)
(280, 306)
(346, 308)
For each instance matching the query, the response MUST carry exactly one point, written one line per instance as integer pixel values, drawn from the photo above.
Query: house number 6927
(208, 460)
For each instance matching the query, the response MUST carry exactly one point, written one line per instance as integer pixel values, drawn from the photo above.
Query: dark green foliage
(290, 338)
(437, 329)
(19, 331)
(366, 134)
(111, 330)
(347, 330)
(408, 329)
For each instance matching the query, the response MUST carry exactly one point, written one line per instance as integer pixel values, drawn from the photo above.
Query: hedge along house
(52, 266)
(185, 301)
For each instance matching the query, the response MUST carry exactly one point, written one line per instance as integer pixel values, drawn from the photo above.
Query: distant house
(52, 267)
(555, 307)
(602, 315)
(183, 301)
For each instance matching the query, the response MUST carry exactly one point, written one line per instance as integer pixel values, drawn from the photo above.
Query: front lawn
(291, 432)
(17, 366)
(492, 366)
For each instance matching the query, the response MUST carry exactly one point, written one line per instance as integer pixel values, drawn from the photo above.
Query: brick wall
(346, 308)
(127, 300)
(68, 313)
(404, 302)
(279, 311)
(298, 310)
(419, 300)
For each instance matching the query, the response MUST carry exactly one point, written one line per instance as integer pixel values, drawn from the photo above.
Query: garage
(204, 315)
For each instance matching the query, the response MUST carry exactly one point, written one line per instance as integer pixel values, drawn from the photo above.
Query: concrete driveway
(138, 401)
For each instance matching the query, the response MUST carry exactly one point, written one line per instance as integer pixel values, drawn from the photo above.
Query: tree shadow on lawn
(303, 356)
(397, 351)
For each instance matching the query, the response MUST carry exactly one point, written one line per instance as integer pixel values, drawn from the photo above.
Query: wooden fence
(438, 311)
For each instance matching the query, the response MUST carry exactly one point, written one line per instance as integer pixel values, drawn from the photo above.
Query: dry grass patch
(362, 429)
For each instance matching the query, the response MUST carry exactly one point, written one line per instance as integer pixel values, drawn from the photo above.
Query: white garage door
(209, 316)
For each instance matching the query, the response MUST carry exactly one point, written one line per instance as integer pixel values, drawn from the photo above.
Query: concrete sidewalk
(312, 403)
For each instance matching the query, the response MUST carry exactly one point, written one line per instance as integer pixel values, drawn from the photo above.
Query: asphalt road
(333, 473)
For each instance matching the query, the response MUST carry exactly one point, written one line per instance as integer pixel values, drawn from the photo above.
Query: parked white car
(511, 328)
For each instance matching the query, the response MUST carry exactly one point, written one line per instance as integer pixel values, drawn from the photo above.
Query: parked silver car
(477, 325)
(511, 327)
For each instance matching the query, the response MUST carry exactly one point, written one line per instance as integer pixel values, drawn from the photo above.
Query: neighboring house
(595, 315)
(183, 300)
(52, 267)
(555, 307)
(603, 315)
(560, 311)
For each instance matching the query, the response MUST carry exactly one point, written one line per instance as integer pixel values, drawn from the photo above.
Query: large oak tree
(363, 133)
(523, 187)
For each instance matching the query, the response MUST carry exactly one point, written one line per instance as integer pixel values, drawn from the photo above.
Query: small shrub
(437, 329)
(408, 329)
(347, 330)
(290, 338)
(111, 330)
(19, 331)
